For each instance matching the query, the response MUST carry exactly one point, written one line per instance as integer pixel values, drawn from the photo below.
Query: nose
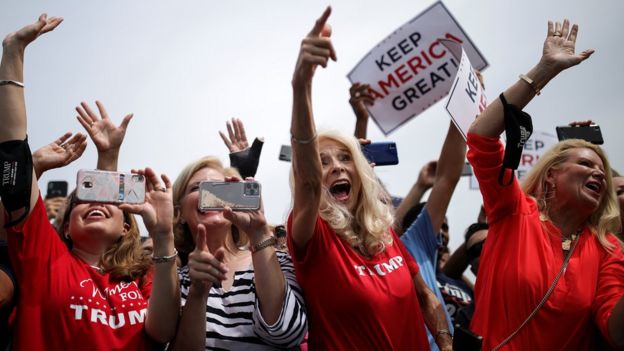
(598, 174)
(336, 165)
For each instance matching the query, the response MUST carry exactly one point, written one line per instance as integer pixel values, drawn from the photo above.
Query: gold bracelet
(531, 83)
(270, 241)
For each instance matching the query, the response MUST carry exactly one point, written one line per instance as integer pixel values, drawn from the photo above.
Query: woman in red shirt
(362, 288)
(553, 233)
(94, 291)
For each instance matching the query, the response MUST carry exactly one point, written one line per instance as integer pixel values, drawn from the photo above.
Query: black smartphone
(589, 133)
(383, 153)
(56, 188)
(466, 340)
(285, 153)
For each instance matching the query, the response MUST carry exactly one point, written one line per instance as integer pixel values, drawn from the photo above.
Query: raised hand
(59, 153)
(29, 33)
(253, 223)
(237, 140)
(205, 268)
(359, 99)
(427, 175)
(560, 44)
(105, 135)
(157, 210)
(316, 49)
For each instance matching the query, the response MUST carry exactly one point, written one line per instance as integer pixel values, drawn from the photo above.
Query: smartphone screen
(239, 196)
(382, 153)
(56, 188)
(589, 133)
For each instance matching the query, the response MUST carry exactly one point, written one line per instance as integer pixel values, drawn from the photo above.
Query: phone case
(110, 187)
(590, 133)
(56, 188)
(382, 153)
(240, 196)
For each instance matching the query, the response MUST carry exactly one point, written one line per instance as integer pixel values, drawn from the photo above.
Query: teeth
(96, 212)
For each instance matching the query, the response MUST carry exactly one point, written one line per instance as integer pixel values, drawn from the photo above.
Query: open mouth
(340, 190)
(95, 213)
(594, 187)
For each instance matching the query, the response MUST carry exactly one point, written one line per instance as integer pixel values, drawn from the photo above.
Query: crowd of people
(352, 268)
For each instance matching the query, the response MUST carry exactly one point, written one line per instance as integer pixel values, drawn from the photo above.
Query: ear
(550, 176)
(66, 231)
(126, 229)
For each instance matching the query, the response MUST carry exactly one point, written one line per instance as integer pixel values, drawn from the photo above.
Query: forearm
(457, 263)
(412, 198)
(107, 161)
(164, 303)
(491, 122)
(435, 319)
(269, 281)
(616, 323)
(191, 334)
(361, 124)
(12, 103)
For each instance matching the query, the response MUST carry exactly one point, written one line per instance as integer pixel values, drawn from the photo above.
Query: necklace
(99, 269)
(566, 241)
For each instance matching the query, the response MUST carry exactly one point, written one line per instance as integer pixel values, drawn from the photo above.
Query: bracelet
(301, 141)
(11, 82)
(442, 332)
(163, 259)
(531, 83)
(270, 241)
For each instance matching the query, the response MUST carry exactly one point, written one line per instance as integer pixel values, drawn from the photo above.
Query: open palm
(105, 134)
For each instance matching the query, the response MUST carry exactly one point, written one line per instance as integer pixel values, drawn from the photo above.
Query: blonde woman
(238, 291)
(551, 273)
(362, 288)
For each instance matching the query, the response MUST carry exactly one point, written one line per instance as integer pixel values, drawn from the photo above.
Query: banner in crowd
(535, 147)
(467, 98)
(410, 69)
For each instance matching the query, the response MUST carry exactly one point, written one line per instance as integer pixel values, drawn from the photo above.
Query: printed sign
(410, 69)
(467, 98)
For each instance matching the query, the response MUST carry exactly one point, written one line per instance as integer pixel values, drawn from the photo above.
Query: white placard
(410, 69)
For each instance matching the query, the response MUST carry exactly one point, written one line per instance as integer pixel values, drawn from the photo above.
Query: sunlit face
(339, 174)
(94, 227)
(618, 184)
(579, 181)
(189, 208)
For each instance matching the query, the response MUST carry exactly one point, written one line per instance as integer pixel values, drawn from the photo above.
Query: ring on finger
(557, 34)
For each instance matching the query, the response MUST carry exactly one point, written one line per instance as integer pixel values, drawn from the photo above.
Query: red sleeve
(34, 245)
(486, 157)
(610, 287)
(409, 259)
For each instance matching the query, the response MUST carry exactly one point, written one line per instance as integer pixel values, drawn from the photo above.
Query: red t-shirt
(63, 303)
(521, 257)
(354, 303)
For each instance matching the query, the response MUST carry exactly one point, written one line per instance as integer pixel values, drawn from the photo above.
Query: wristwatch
(270, 241)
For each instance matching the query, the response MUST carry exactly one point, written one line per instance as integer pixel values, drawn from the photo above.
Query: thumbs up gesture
(205, 268)
(316, 49)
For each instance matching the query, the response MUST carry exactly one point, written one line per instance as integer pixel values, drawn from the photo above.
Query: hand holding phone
(589, 133)
(110, 187)
(239, 196)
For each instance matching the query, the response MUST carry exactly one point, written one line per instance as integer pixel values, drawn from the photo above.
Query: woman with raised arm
(551, 274)
(362, 288)
(238, 291)
(89, 289)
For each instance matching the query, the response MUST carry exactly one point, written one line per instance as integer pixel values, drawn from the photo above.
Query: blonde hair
(183, 237)
(606, 217)
(124, 260)
(367, 227)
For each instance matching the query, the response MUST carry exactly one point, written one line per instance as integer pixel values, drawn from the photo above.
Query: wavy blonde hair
(606, 217)
(367, 227)
(183, 237)
(124, 260)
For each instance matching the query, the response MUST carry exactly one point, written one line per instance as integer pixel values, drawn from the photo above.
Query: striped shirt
(233, 318)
